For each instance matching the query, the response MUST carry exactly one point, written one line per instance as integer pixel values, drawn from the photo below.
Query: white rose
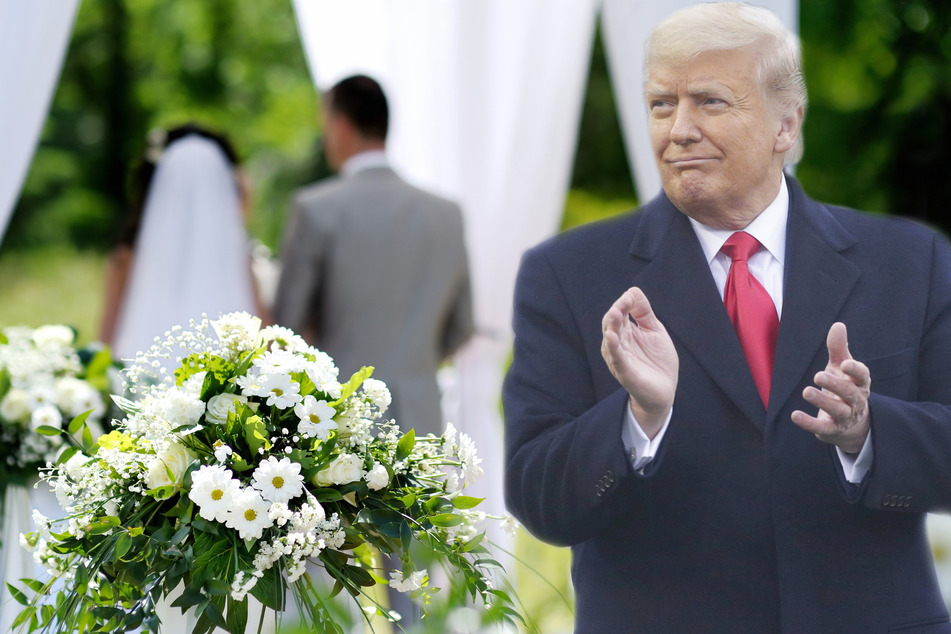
(377, 478)
(74, 466)
(14, 406)
(221, 405)
(344, 469)
(54, 334)
(176, 460)
(46, 416)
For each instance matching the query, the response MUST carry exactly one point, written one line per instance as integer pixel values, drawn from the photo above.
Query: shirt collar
(363, 161)
(769, 228)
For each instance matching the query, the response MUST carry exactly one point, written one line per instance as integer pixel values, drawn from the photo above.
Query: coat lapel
(817, 281)
(676, 279)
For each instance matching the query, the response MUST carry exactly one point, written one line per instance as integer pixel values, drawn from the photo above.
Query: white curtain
(34, 37)
(485, 99)
(625, 24)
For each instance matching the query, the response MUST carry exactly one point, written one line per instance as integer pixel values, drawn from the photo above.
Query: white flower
(220, 405)
(75, 396)
(222, 451)
(316, 418)
(279, 362)
(168, 468)
(509, 526)
(181, 408)
(344, 469)
(213, 490)
(248, 514)
(284, 337)
(278, 480)
(253, 384)
(237, 331)
(14, 407)
(47, 415)
(282, 391)
(54, 335)
(378, 393)
(408, 584)
(377, 477)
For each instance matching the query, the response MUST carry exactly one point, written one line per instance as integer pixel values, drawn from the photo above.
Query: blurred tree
(132, 65)
(878, 128)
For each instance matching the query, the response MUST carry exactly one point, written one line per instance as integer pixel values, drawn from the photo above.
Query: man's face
(718, 144)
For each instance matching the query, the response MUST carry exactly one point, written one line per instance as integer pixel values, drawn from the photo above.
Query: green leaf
(237, 615)
(350, 387)
(48, 430)
(445, 520)
(77, 423)
(255, 433)
(222, 369)
(18, 595)
(474, 542)
(464, 502)
(405, 446)
(123, 545)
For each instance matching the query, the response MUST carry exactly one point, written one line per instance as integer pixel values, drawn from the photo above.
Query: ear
(789, 130)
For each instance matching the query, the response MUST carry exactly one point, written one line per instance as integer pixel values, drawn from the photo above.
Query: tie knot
(740, 246)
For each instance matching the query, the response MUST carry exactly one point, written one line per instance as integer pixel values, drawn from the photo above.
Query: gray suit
(375, 273)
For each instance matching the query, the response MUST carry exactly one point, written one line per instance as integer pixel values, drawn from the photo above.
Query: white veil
(191, 253)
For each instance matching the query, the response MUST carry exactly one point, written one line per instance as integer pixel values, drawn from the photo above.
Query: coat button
(609, 477)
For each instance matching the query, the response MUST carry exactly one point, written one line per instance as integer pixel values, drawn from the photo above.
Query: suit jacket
(375, 270)
(743, 522)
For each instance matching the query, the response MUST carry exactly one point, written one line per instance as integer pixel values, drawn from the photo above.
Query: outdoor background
(877, 137)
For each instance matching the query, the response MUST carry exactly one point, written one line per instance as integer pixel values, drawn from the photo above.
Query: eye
(659, 106)
(713, 101)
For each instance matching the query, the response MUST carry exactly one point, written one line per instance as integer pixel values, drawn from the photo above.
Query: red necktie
(751, 310)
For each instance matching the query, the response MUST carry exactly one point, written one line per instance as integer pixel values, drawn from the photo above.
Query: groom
(374, 269)
(735, 403)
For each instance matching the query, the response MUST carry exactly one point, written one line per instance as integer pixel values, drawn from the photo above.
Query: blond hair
(717, 26)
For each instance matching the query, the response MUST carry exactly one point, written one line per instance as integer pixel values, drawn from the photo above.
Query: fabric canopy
(34, 37)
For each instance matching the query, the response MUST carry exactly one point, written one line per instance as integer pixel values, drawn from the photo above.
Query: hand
(843, 418)
(642, 357)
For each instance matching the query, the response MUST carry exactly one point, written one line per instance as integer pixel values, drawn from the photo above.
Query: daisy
(213, 490)
(316, 418)
(282, 392)
(279, 361)
(249, 514)
(278, 480)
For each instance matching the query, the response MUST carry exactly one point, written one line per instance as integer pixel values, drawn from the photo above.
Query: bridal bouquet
(234, 469)
(44, 381)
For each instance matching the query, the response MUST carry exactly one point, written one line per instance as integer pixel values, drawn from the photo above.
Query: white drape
(626, 24)
(485, 98)
(33, 40)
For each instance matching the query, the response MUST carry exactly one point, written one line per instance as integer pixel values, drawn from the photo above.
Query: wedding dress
(191, 252)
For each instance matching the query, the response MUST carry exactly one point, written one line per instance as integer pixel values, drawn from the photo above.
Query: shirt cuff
(855, 466)
(640, 449)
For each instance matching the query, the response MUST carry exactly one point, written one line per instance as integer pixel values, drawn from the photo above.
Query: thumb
(838, 344)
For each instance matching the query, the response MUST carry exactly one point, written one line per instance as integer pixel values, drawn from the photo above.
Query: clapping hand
(841, 394)
(642, 357)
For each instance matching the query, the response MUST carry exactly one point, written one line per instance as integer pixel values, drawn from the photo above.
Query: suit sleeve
(564, 455)
(301, 271)
(912, 440)
(459, 324)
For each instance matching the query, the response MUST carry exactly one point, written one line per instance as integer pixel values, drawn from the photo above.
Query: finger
(843, 386)
(639, 308)
(813, 425)
(837, 342)
(858, 372)
(833, 406)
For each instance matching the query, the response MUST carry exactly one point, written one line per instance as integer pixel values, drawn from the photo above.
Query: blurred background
(877, 137)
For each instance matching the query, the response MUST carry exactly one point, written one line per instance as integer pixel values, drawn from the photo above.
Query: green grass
(53, 285)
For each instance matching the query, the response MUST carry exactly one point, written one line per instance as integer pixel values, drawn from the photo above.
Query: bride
(188, 254)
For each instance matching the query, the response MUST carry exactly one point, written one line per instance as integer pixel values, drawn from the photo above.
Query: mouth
(689, 162)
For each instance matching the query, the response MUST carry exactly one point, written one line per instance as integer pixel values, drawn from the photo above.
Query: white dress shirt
(363, 161)
(766, 265)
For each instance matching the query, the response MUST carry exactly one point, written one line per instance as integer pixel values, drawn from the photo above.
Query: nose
(684, 127)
